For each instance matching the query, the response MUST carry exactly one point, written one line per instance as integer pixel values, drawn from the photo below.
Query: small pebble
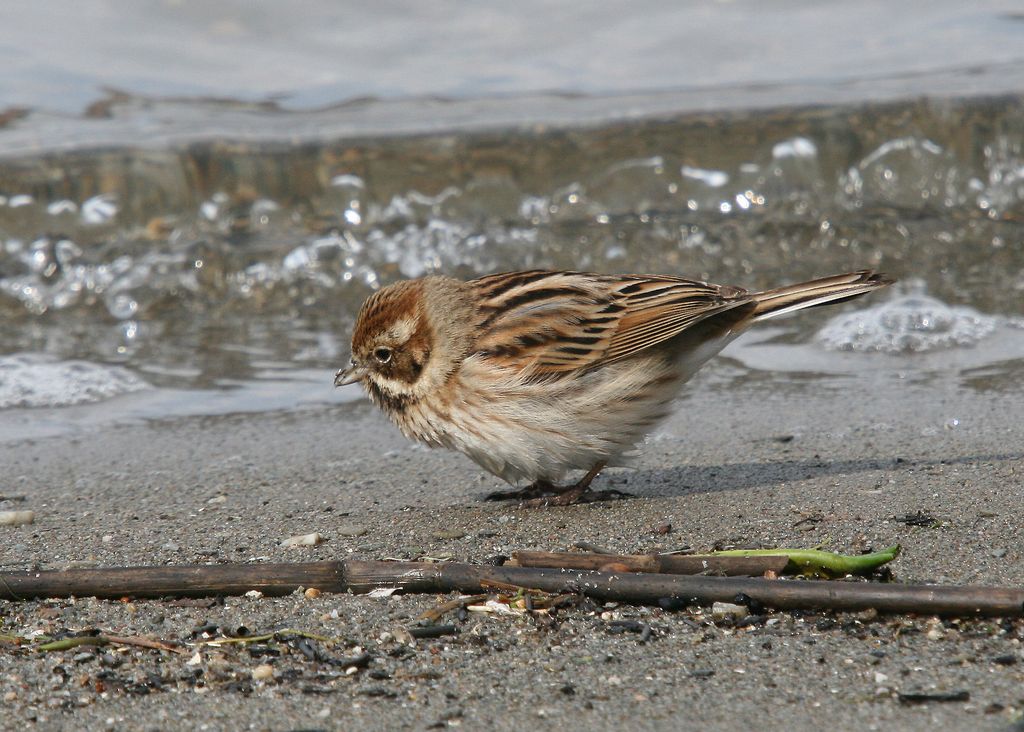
(16, 518)
(312, 593)
(664, 528)
(350, 530)
(722, 610)
(304, 540)
(448, 534)
(263, 672)
(999, 553)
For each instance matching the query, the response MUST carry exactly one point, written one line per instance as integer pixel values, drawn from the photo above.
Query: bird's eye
(382, 354)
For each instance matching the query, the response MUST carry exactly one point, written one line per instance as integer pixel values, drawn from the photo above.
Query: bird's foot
(577, 493)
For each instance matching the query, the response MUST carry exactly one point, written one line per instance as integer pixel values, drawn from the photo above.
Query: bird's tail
(827, 290)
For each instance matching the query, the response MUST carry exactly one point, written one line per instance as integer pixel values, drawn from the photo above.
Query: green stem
(269, 636)
(816, 561)
(65, 643)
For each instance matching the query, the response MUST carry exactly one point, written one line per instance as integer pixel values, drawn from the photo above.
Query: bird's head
(407, 336)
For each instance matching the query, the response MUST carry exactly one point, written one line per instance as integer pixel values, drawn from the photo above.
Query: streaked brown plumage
(533, 374)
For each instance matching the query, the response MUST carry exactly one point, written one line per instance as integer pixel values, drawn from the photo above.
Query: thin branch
(363, 576)
(656, 563)
(436, 613)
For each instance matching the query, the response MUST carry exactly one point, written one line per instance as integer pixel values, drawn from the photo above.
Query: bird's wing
(551, 323)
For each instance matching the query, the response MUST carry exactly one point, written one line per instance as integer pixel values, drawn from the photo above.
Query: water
(64, 55)
(165, 257)
(153, 296)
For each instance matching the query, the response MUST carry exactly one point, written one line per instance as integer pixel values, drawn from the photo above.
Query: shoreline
(776, 462)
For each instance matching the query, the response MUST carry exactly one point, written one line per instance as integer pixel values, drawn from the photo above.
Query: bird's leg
(578, 493)
(535, 489)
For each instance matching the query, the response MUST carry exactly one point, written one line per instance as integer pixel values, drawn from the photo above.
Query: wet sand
(764, 461)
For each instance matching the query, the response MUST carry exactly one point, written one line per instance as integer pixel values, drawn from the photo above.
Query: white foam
(909, 323)
(37, 380)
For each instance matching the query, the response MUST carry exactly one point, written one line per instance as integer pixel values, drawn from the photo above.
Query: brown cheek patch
(415, 354)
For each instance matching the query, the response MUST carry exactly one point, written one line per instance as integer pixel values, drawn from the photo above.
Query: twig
(142, 643)
(276, 635)
(922, 698)
(657, 563)
(594, 548)
(491, 584)
(436, 613)
(432, 631)
(101, 640)
(362, 576)
(65, 644)
(734, 562)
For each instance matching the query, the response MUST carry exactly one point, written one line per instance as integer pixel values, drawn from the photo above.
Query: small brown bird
(533, 374)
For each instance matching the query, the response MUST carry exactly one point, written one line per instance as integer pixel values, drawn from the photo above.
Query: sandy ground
(763, 461)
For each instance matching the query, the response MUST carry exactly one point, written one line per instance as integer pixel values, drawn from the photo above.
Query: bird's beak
(351, 375)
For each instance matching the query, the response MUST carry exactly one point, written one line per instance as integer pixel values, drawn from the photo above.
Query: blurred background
(195, 197)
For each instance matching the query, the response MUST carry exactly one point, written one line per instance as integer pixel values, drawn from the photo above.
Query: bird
(535, 374)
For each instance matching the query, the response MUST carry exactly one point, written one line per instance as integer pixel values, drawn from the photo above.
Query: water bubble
(298, 258)
(908, 323)
(348, 180)
(122, 306)
(209, 210)
(57, 208)
(99, 210)
(634, 186)
(906, 172)
(1003, 192)
(571, 203)
(797, 147)
(535, 209)
(713, 178)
